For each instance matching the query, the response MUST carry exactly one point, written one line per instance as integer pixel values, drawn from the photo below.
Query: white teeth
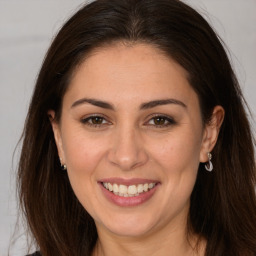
(151, 185)
(123, 189)
(115, 188)
(110, 187)
(132, 190)
(140, 188)
(128, 191)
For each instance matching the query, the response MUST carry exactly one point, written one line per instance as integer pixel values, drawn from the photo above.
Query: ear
(211, 132)
(57, 135)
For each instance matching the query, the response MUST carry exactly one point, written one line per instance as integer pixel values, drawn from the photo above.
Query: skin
(130, 142)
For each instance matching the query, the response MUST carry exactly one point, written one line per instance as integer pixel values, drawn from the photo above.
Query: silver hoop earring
(209, 166)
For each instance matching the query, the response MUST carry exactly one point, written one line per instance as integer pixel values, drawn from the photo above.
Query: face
(132, 137)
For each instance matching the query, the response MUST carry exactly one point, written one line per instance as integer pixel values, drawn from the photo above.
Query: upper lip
(127, 182)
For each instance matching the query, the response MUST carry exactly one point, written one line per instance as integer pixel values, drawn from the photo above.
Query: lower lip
(128, 201)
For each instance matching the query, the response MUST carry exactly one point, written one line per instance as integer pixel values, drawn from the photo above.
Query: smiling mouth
(128, 191)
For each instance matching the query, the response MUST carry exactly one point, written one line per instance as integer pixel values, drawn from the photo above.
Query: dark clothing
(35, 254)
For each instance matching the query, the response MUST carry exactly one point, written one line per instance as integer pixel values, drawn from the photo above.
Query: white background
(26, 30)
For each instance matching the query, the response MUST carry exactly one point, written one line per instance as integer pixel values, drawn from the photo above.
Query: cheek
(81, 150)
(83, 154)
(178, 151)
(178, 157)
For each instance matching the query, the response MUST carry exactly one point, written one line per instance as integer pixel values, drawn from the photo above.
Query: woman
(137, 140)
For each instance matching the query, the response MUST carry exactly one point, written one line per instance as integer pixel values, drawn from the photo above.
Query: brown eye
(159, 120)
(97, 120)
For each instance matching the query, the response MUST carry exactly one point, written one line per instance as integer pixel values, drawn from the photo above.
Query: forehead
(128, 71)
(118, 57)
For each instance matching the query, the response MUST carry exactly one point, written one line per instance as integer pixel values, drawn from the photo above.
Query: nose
(127, 149)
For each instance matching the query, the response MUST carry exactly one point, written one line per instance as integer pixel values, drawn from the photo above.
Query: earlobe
(211, 132)
(57, 134)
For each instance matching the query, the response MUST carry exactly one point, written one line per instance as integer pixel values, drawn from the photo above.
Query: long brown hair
(223, 203)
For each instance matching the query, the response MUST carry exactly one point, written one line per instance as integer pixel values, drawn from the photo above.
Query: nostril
(127, 158)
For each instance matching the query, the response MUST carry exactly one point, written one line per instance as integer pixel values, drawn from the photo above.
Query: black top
(35, 254)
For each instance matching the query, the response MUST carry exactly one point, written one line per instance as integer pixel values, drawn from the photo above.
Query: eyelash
(168, 121)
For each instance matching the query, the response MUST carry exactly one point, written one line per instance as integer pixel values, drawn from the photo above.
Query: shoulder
(35, 254)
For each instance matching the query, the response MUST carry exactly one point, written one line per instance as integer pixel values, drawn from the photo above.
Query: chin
(130, 226)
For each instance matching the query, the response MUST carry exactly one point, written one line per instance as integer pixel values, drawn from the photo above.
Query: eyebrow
(156, 103)
(143, 106)
(98, 103)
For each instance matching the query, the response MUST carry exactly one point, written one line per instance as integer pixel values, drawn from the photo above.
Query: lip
(128, 201)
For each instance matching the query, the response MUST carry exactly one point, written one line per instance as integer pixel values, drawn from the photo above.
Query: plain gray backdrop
(26, 30)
